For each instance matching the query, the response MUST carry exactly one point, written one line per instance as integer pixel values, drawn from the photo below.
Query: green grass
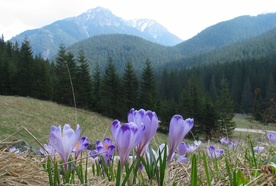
(37, 116)
(248, 122)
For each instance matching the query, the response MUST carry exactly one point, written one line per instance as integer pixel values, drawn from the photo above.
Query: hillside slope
(227, 33)
(37, 116)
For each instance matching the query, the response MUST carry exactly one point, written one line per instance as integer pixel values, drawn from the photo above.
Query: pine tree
(43, 86)
(270, 89)
(83, 84)
(247, 97)
(111, 102)
(148, 92)
(130, 88)
(190, 104)
(26, 70)
(96, 93)
(213, 89)
(165, 112)
(209, 119)
(66, 76)
(225, 109)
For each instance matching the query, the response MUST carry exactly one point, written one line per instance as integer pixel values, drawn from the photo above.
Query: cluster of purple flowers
(64, 142)
(233, 144)
(135, 134)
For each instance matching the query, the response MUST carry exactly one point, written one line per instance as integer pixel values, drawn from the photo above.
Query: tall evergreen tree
(83, 84)
(247, 97)
(26, 70)
(96, 93)
(225, 109)
(66, 76)
(111, 102)
(270, 89)
(130, 87)
(213, 90)
(148, 92)
(43, 86)
(209, 120)
(190, 104)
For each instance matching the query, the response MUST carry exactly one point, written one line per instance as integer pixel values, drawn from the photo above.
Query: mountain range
(46, 40)
(236, 39)
(101, 35)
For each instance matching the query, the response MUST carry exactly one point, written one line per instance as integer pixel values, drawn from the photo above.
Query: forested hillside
(124, 48)
(227, 32)
(262, 46)
(210, 94)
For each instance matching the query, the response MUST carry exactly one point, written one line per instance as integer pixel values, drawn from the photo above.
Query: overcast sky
(181, 17)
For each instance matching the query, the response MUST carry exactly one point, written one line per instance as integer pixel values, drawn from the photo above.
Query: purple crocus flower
(182, 159)
(50, 150)
(258, 148)
(81, 145)
(182, 148)
(64, 140)
(233, 144)
(272, 138)
(126, 137)
(224, 141)
(105, 149)
(147, 119)
(178, 130)
(213, 152)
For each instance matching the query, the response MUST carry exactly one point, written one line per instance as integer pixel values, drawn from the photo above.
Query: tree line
(210, 94)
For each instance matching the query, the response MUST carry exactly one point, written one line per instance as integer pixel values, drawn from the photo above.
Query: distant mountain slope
(262, 46)
(227, 32)
(123, 48)
(46, 40)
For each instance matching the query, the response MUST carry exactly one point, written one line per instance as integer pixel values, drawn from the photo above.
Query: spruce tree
(43, 86)
(83, 84)
(96, 93)
(225, 109)
(130, 88)
(148, 92)
(26, 70)
(247, 97)
(213, 89)
(209, 120)
(111, 102)
(190, 104)
(66, 76)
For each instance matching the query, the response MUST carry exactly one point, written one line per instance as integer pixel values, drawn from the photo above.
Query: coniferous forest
(210, 94)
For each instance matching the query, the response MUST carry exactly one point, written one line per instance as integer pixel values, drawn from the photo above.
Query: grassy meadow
(37, 117)
(238, 166)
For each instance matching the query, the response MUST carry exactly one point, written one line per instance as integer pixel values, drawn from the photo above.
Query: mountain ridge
(97, 21)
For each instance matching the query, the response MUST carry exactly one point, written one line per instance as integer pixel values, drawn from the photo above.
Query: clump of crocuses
(65, 140)
(184, 148)
(103, 149)
(213, 152)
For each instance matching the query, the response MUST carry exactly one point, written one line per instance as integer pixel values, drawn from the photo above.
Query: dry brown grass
(21, 170)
